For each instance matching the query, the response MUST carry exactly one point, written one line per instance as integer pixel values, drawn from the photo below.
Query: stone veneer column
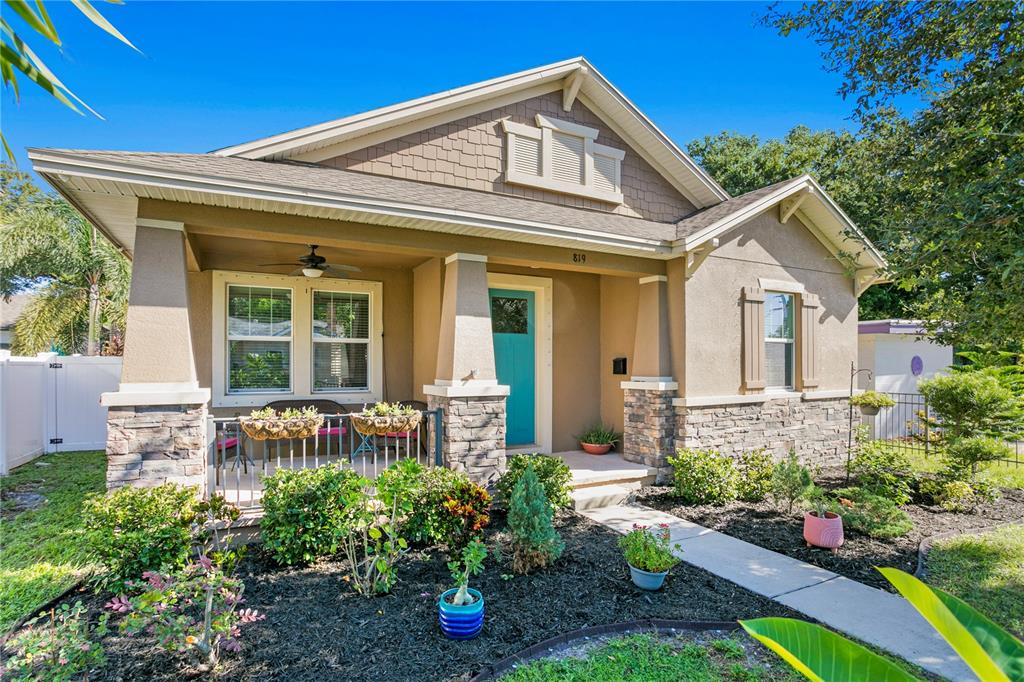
(466, 385)
(156, 420)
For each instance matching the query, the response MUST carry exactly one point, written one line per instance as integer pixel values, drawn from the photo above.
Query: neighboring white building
(899, 356)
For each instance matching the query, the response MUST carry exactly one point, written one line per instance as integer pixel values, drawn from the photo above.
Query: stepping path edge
(879, 618)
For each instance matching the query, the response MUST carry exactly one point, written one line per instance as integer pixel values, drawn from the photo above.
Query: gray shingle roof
(698, 221)
(355, 184)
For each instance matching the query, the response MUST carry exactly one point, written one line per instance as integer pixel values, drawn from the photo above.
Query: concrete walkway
(880, 618)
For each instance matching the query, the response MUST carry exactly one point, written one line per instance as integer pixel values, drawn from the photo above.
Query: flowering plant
(192, 610)
(57, 650)
(649, 549)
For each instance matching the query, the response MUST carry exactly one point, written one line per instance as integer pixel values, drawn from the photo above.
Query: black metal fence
(905, 426)
(237, 463)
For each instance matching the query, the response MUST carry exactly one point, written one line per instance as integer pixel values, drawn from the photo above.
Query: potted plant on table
(649, 555)
(460, 610)
(822, 527)
(269, 424)
(382, 418)
(870, 402)
(598, 439)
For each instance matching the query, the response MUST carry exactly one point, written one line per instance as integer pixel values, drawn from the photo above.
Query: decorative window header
(562, 156)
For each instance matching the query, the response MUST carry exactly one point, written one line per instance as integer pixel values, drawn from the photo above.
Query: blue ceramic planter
(645, 580)
(461, 622)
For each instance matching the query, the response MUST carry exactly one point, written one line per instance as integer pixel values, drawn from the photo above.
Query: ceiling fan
(313, 265)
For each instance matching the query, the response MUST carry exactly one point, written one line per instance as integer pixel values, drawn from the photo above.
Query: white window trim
(545, 180)
(786, 388)
(302, 339)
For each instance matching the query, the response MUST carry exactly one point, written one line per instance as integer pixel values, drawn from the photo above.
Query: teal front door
(514, 328)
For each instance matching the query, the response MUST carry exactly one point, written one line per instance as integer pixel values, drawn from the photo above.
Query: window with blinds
(563, 157)
(341, 341)
(259, 339)
(779, 340)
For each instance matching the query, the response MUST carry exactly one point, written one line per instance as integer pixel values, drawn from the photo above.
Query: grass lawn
(644, 658)
(1002, 474)
(986, 571)
(42, 551)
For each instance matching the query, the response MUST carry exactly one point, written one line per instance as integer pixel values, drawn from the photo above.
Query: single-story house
(534, 255)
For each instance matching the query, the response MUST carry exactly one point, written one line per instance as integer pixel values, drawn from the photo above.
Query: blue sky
(213, 74)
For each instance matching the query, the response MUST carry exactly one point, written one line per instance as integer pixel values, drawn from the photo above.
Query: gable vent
(606, 171)
(527, 155)
(567, 154)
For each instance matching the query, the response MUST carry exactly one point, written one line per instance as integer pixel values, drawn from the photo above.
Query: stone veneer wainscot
(473, 436)
(151, 445)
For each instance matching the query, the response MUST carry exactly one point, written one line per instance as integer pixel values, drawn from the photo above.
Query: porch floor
(594, 470)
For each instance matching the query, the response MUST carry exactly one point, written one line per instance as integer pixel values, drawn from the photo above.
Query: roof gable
(574, 78)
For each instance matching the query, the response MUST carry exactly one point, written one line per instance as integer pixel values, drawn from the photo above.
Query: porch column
(649, 420)
(156, 421)
(466, 385)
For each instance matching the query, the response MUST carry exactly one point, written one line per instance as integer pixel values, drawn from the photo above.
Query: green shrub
(535, 542)
(447, 509)
(304, 512)
(131, 530)
(400, 481)
(755, 475)
(956, 496)
(703, 476)
(969, 404)
(790, 481)
(884, 471)
(967, 453)
(552, 472)
(873, 515)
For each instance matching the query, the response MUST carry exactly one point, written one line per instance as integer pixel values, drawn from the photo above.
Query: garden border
(925, 546)
(494, 670)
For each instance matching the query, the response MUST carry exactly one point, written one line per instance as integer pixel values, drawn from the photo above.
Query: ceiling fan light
(312, 273)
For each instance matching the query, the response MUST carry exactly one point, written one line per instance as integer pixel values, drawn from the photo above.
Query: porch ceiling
(230, 253)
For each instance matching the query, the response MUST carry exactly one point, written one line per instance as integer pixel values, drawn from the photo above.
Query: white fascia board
(125, 173)
(395, 113)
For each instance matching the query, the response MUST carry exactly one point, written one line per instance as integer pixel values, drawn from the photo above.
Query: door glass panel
(509, 315)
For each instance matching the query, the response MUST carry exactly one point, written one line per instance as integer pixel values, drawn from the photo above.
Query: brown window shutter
(807, 336)
(753, 339)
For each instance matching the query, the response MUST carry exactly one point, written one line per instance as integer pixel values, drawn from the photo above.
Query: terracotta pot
(595, 449)
(823, 532)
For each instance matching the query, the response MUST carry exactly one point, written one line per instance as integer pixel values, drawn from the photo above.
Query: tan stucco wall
(765, 248)
(200, 315)
(618, 319)
(470, 153)
(427, 283)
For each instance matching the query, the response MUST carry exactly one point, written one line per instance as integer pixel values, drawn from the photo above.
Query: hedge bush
(447, 509)
(552, 472)
(754, 475)
(304, 512)
(703, 476)
(884, 470)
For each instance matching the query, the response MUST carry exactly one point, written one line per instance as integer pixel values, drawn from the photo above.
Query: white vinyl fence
(51, 403)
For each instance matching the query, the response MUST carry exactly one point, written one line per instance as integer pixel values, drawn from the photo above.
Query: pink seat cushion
(227, 443)
(334, 431)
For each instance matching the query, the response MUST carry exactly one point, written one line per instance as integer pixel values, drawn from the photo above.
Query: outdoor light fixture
(312, 273)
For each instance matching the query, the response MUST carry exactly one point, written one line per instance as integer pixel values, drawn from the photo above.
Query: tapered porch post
(649, 420)
(466, 385)
(156, 421)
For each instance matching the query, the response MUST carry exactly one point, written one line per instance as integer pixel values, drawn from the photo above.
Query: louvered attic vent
(563, 157)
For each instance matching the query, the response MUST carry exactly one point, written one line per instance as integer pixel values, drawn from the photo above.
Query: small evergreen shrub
(552, 472)
(755, 475)
(131, 530)
(447, 509)
(967, 454)
(873, 515)
(969, 404)
(304, 512)
(703, 476)
(790, 481)
(535, 542)
(883, 470)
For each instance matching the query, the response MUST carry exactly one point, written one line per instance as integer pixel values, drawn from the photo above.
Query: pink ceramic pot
(823, 532)
(592, 449)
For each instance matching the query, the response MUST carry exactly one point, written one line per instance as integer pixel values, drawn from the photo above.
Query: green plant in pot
(870, 402)
(460, 610)
(648, 552)
(598, 439)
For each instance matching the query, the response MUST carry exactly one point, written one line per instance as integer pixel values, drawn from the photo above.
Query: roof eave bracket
(864, 279)
(695, 258)
(789, 205)
(571, 87)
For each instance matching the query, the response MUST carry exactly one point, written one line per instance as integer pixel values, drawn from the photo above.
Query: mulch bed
(765, 525)
(317, 628)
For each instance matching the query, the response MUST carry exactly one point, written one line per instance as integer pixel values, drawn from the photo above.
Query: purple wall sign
(916, 365)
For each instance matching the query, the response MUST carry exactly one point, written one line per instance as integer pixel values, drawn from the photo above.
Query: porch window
(779, 340)
(341, 341)
(259, 335)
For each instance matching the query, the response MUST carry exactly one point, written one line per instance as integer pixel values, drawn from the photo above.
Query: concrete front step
(600, 496)
(599, 470)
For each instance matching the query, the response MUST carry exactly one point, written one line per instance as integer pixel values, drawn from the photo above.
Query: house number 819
(579, 258)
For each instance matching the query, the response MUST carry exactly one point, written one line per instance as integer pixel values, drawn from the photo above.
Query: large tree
(953, 231)
(847, 166)
(79, 282)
